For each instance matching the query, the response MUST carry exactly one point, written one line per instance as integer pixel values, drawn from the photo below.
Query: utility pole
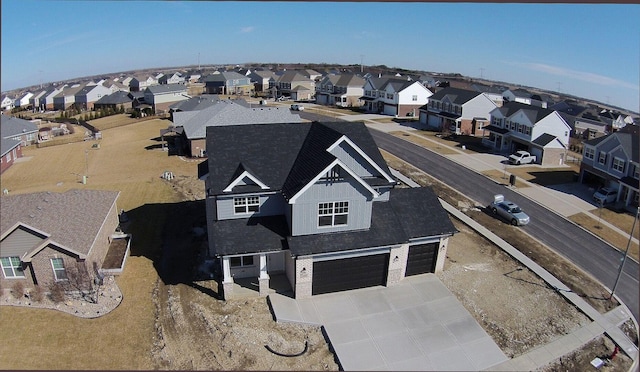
(361, 67)
(559, 84)
(481, 72)
(626, 252)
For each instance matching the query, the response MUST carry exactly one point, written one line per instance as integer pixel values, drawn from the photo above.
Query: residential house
(227, 83)
(198, 103)
(459, 110)
(263, 81)
(518, 126)
(344, 90)
(19, 129)
(175, 78)
(47, 101)
(67, 97)
(48, 237)
(296, 85)
(7, 103)
(115, 101)
(395, 96)
(493, 92)
(115, 86)
(523, 96)
(612, 161)
(89, 94)
(319, 208)
(34, 101)
(23, 100)
(194, 123)
(160, 97)
(141, 82)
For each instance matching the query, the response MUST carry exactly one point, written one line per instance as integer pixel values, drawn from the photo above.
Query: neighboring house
(263, 81)
(47, 101)
(296, 85)
(518, 126)
(223, 113)
(493, 92)
(141, 82)
(160, 97)
(115, 86)
(67, 97)
(319, 208)
(198, 103)
(228, 82)
(523, 96)
(47, 237)
(18, 129)
(343, 90)
(34, 101)
(7, 103)
(175, 78)
(458, 110)
(23, 100)
(612, 161)
(114, 101)
(89, 94)
(395, 96)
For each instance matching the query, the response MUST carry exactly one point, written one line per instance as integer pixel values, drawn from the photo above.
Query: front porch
(250, 287)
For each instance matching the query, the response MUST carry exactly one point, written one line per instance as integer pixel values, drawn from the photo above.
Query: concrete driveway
(416, 325)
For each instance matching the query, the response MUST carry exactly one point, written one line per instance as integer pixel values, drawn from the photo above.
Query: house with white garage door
(518, 126)
(395, 96)
(316, 202)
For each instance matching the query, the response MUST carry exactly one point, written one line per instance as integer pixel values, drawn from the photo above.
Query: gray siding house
(315, 202)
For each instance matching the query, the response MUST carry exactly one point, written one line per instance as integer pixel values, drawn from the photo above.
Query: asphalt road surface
(599, 259)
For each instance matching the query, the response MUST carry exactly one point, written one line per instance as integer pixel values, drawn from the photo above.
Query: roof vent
(32, 216)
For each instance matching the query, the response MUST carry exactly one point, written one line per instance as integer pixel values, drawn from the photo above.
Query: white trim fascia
(327, 169)
(244, 174)
(344, 138)
(18, 224)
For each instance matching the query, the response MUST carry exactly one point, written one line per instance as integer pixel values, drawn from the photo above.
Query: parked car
(297, 107)
(605, 195)
(508, 210)
(522, 157)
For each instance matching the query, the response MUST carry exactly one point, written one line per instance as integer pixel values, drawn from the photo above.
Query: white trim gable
(28, 255)
(315, 179)
(245, 175)
(346, 139)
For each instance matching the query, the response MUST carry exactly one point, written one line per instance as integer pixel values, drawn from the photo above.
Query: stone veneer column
(304, 277)
(263, 279)
(397, 264)
(442, 254)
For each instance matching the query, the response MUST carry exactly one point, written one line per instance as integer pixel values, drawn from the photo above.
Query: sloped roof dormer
(244, 177)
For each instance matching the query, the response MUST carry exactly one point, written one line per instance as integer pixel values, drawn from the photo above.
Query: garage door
(422, 259)
(350, 273)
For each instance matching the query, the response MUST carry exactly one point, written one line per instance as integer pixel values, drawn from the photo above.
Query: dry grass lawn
(431, 144)
(46, 339)
(612, 237)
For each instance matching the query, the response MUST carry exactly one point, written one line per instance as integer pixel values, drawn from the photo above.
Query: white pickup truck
(522, 157)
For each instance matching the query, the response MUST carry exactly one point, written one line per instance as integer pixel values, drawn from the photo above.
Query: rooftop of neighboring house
(167, 88)
(64, 217)
(115, 98)
(223, 76)
(197, 103)
(349, 80)
(455, 95)
(534, 113)
(290, 76)
(12, 126)
(230, 112)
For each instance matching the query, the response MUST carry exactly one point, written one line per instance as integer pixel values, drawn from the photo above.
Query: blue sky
(589, 50)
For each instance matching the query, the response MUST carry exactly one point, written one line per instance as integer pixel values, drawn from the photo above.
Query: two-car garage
(341, 274)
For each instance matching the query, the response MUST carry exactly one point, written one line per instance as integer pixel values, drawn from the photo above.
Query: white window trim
(333, 214)
(246, 204)
(618, 161)
(242, 263)
(589, 153)
(602, 158)
(55, 274)
(13, 269)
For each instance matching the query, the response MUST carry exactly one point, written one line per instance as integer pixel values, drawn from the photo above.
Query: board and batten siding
(270, 205)
(354, 161)
(304, 220)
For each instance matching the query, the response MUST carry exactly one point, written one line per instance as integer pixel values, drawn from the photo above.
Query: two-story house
(160, 97)
(67, 97)
(344, 90)
(175, 78)
(316, 202)
(227, 82)
(518, 126)
(7, 103)
(23, 100)
(263, 80)
(459, 110)
(141, 82)
(89, 94)
(612, 161)
(523, 96)
(296, 85)
(395, 96)
(115, 101)
(16, 133)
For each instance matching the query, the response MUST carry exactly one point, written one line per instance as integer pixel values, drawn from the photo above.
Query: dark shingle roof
(420, 212)
(115, 98)
(456, 95)
(256, 234)
(544, 139)
(167, 88)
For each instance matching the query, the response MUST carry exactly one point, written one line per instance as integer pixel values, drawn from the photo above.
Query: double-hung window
(618, 164)
(246, 204)
(59, 271)
(589, 153)
(12, 267)
(241, 261)
(333, 213)
(602, 158)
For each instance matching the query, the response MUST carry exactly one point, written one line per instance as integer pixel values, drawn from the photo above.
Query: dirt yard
(169, 320)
